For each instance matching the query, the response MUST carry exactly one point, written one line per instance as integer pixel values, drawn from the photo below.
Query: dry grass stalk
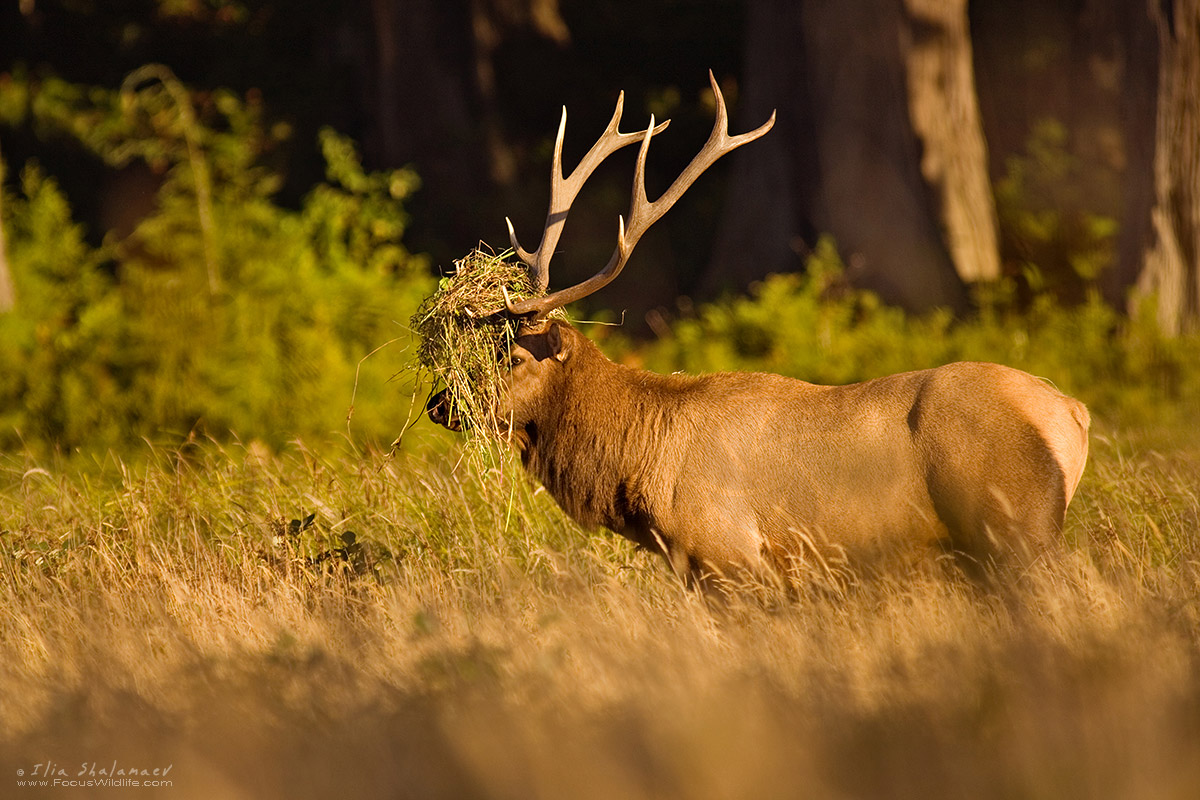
(463, 335)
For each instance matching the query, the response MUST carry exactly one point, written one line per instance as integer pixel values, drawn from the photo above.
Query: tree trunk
(1139, 58)
(436, 103)
(945, 115)
(765, 226)
(872, 196)
(425, 113)
(1172, 270)
(845, 159)
(491, 22)
(8, 293)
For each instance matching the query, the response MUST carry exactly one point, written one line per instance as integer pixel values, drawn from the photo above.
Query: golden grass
(469, 641)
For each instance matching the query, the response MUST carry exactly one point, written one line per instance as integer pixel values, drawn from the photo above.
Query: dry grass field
(308, 626)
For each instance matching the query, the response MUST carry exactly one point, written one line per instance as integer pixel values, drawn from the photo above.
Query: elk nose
(441, 411)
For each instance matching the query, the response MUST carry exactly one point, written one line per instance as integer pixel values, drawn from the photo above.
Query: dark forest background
(263, 173)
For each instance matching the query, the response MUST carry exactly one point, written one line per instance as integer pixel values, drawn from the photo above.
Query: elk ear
(556, 341)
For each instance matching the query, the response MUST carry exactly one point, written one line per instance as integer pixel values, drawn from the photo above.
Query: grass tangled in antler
(464, 333)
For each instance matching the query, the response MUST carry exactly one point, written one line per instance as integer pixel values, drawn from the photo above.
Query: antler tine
(642, 213)
(563, 191)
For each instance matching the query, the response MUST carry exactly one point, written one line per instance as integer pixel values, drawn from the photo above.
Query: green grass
(209, 610)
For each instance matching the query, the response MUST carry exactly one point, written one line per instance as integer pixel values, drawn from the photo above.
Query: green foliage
(221, 309)
(809, 325)
(224, 311)
(1051, 237)
(61, 366)
(813, 327)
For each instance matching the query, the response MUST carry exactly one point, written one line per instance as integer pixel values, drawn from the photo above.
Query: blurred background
(213, 210)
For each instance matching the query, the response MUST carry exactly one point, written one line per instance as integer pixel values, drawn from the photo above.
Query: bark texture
(945, 115)
(862, 151)
(1172, 270)
(8, 294)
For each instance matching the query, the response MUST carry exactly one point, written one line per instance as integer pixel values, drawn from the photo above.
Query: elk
(739, 473)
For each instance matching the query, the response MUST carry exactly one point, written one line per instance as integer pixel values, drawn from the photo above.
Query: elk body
(736, 473)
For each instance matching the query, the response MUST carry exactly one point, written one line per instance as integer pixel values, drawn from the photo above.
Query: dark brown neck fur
(597, 443)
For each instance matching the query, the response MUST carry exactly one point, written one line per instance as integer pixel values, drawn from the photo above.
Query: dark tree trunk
(766, 225)
(435, 100)
(425, 111)
(1088, 68)
(491, 22)
(845, 160)
(1172, 270)
(8, 293)
(1138, 43)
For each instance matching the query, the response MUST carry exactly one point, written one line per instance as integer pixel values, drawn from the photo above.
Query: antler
(563, 192)
(642, 213)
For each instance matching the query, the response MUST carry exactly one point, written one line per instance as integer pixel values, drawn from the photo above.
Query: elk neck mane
(602, 442)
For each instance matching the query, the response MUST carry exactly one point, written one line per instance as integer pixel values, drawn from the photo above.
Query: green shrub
(1052, 234)
(62, 361)
(812, 326)
(222, 310)
(225, 312)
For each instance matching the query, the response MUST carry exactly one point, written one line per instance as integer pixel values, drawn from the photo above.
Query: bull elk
(736, 473)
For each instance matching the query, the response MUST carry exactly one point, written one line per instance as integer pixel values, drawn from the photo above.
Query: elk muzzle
(441, 410)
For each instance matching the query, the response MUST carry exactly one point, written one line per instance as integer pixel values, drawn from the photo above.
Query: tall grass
(209, 610)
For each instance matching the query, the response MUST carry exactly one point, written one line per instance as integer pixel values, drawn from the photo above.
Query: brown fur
(735, 472)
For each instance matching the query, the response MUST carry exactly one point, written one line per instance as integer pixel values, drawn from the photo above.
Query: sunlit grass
(209, 609)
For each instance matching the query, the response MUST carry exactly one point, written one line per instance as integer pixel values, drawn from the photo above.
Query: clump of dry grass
(464, 332)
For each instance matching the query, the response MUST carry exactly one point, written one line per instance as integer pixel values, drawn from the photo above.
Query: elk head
(533, 367)
(543, 346)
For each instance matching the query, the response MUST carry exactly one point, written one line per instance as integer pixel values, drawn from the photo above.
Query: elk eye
(515, 362)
